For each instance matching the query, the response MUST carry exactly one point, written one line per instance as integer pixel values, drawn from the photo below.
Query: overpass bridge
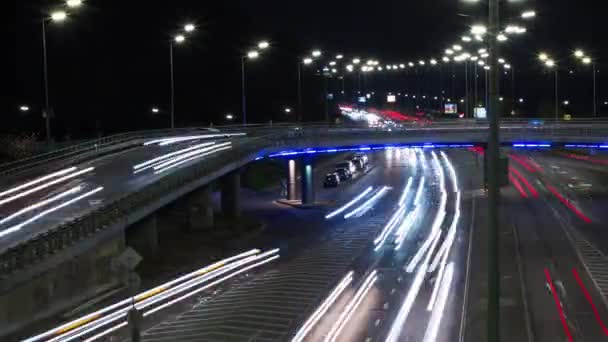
(119, 182)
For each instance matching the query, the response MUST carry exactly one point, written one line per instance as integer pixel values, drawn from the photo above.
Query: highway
(388, 259)
(34, 206)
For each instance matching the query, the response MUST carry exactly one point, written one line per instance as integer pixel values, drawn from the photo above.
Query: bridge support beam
(143, 236)
(307, 181)
(231, 194)
(291, 180)
(200, 208)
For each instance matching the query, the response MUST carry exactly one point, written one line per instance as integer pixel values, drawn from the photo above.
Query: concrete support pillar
(308, 188)
(143, 236)
(200, 208)
(291, 180)
(231, 191)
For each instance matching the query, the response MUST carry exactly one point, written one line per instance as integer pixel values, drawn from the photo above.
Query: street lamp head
(543, 57)
(479, 30)
(229, 116)
(332, 63)
(350, 68)
(579, 53)
(155, 110)
(410, 64)
(474, 58)
(356, 60)
(287, 110)
(402, 66)
(501, 37)
(73, 3)
(307, 60)
(189, 27)
(421, 62)
(263, 45)
(24, 108)
(457, 47)
(339, 56)
(466, 39)
(253, 54)
(449, 51)
(180, 38)
(446, 59)
(586, 60)
(433, 61)
(550, 63)
(528, 15)
(316, 53)
(507, 66)
(59, 16)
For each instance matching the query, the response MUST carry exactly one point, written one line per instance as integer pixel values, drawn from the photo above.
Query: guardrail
(244, 150)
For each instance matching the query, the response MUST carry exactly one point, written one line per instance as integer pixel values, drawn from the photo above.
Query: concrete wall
(67, 284)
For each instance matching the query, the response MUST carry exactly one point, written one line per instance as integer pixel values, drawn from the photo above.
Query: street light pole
(172, 85)
(47, 109)
(243, 91)
(493, 169)
(594, 90)
(556, 97)
(299, 116)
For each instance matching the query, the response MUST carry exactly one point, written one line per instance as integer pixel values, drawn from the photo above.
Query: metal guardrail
(265, 138)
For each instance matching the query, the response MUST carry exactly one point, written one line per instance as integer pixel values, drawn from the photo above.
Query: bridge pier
(307, 180)
(143, 236)
(231, 191)
(200, 208)
(291, 180)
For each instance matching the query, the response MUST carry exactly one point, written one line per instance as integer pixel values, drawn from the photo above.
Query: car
(343, 173)
(363, 157)
(359, 164)
(347, 165)
(332, 180)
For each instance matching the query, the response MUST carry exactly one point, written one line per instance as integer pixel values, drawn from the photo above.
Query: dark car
(332, 180)
(359, 163)
(347, 165)
(362, 156)
(344, 174)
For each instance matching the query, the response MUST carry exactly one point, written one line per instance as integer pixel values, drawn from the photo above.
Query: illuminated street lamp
(528, 15)
(316, 53)
(586, 60)
(263, 45)
(24, 108)
(189, 28)
(550, 64)
(252, 55)
(180, 38)
(307, 60)
(479, 30)
(73, 3)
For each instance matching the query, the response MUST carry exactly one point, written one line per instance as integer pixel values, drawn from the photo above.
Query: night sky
(109, 63)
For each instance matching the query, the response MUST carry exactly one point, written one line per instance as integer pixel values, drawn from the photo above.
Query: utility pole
(493, 155)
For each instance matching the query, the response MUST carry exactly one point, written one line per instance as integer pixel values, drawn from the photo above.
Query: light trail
(349, 204)
(322, 309)
(432, 329)
(428, 246)
(388, 228)
(37, 181)
(192, 158)
(453, 176)
(41, 204)
(172, 140)
(113, 317)
(18, 227)
(188, 155)
(405, 227)
(139, 297)
(362, 209)
(45, 185)
(418, 197)
(351, 307)
(148, 164)
(406, 191)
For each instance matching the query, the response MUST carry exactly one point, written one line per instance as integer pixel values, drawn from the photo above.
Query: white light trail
(444, 254)
(405, 192)
(418, 197)
(349, 204)
(192, 158)
(106, 332)
(172, 140)
(45, 185)
(139, 297)
(322, 309)
(37, 181)
(405, 227)
(48, 211)
(41, 204)
(188, 155)
(351, 307)
(362, 209)
(429, 245)
(453, 176)
(388, 228)
(423, 160)
(433, 328)
(168, 155)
